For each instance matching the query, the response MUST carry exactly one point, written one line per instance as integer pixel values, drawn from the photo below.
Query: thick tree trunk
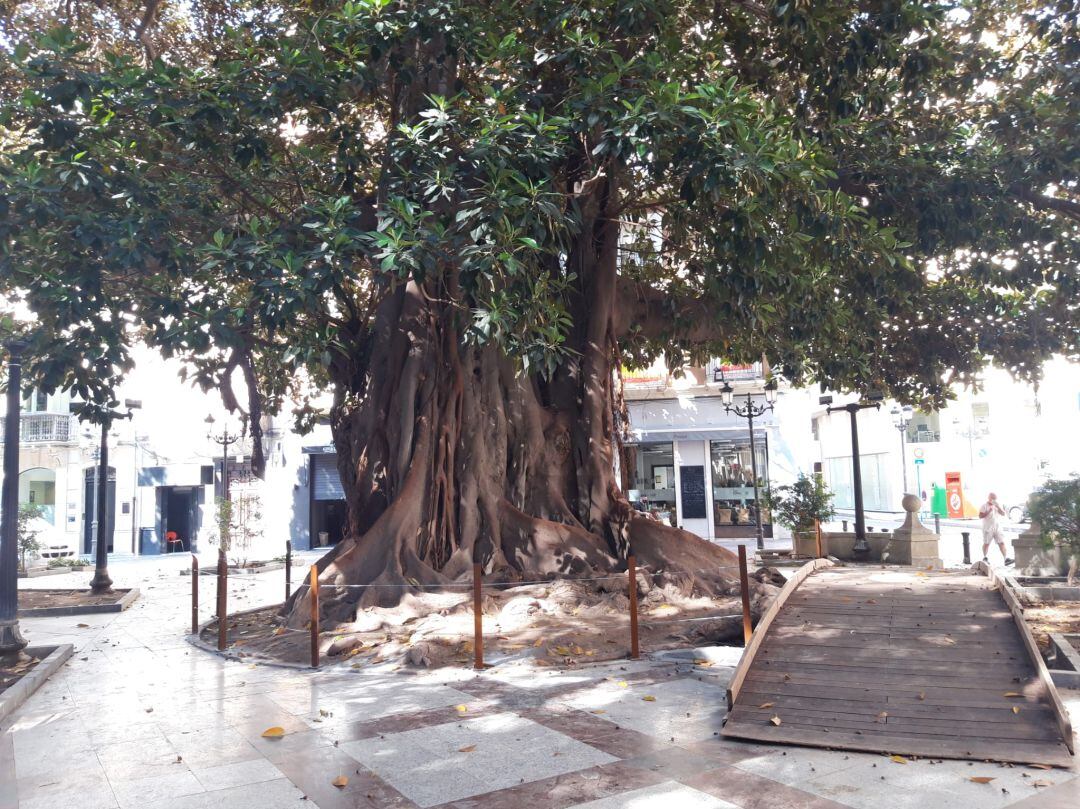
(450, 455)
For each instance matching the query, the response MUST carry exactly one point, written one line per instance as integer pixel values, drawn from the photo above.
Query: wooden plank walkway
(898, 661)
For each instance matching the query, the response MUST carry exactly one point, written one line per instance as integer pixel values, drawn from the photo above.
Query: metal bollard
(744, 586)
(631, 572)
(288, 569)
(845, 525)
(194, 594)
(966, 536)
(222, 600)
(314, 616)
(478, 617)
(937, 524)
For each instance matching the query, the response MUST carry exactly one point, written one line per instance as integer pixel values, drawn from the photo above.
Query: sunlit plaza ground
(140, 718)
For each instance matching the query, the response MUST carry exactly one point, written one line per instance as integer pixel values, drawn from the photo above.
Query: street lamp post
(861, 549)
(225, 439)
(901, 419)
(11, 639)
(101, 582)
(750, 411)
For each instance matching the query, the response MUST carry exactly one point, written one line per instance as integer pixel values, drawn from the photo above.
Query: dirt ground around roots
(37, 599)
(11, 671)
(1046, 617)
(560, 623)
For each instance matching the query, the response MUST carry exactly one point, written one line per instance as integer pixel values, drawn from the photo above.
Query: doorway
(180, 514)
(90, 492)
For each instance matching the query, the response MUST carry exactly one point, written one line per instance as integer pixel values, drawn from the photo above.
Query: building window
(876, 488)
(733, 480)
(651, 469)
(924, 428)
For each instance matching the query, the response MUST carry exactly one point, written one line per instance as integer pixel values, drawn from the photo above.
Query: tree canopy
(875, 194)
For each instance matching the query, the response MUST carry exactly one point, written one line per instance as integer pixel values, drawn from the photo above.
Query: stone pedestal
(912, 543)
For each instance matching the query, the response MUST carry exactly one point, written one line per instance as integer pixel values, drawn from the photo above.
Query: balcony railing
(923, 437)
(41, 428)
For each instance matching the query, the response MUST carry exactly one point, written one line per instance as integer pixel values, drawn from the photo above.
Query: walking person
(989, 512)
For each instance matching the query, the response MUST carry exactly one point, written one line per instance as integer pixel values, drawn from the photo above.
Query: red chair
(171, 539)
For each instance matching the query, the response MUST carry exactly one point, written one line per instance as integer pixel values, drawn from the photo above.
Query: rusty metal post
(631, 574)
(288, 569)
(194, 594)
(222, 600)
(744, 586)
(478, 616)
(314, 616)
(817, 533)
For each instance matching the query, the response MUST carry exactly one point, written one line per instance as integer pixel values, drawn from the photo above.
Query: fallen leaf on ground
(467, 748)
(649, 699)
(1016, 709)
(562, 651)
(766, 704)
(1012, 694)
(539, 643)
(341, 781)
(461, 708)
(599, 710)
(701, 662)
(622, 684)
(273, 733)
(898, 759)
(980, 779)
(1038, 784)
(83, 626)
(776, 721)
(883, 716)
(1040, 766)
(922, 695)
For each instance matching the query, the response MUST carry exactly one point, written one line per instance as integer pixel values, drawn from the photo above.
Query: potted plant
(1055, 508)
(800, 506)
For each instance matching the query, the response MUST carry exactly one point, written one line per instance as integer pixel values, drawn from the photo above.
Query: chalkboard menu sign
(692, 487)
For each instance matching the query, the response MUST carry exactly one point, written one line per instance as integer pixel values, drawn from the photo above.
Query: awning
(657, 434)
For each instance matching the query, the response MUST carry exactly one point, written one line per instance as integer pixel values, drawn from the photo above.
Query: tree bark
(451, 454)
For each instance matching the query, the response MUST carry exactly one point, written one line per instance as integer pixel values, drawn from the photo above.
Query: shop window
(733, 480)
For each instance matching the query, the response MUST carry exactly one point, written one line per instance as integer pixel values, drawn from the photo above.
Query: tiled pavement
(138, 718)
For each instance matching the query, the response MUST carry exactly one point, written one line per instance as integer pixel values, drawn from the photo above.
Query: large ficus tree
(466, 217)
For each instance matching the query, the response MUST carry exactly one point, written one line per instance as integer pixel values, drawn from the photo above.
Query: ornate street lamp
(751, 411)
(225, 439)
(861, 549)
(901, 418)
(11, 640)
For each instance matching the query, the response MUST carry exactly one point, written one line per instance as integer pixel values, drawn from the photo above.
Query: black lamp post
(11, 639)
(861, 547)
(101, 582)
(751, 411)
(225, 439)
(901, 419)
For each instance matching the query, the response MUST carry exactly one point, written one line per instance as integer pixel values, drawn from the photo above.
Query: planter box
(1035, 559)
(124, 599)
(36, 572)
(841, 544)
(52, 658)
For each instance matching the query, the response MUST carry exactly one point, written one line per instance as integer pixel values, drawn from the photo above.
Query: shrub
(800, 504)
(1055, 506)
(27, 537)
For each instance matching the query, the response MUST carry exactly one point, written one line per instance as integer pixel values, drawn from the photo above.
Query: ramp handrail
(763, 625)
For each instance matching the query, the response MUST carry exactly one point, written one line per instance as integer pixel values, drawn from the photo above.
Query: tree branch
(1067, 207)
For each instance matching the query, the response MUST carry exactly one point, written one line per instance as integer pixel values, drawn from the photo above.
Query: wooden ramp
(897, 661)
